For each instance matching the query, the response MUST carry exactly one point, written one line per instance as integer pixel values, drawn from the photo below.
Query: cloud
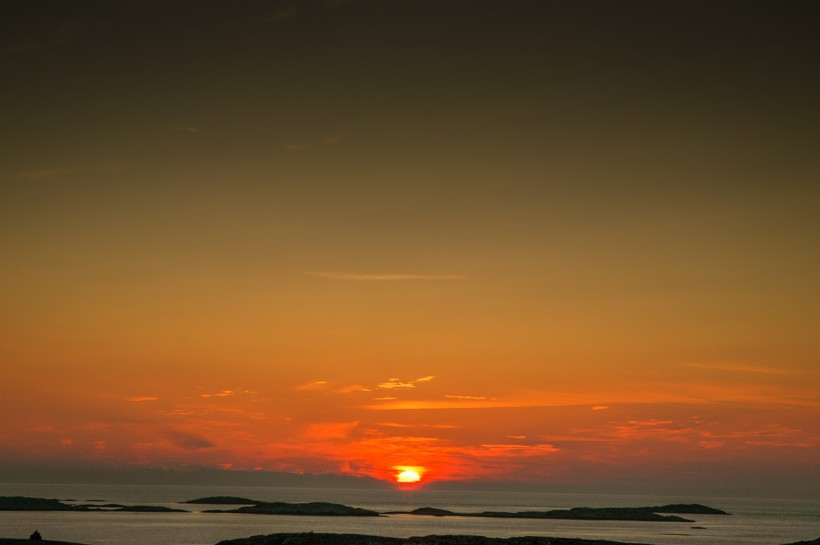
(140, 399)
(313, 386)
(223, 393)
(469, 398)
(599, 407)
(190, 129)
(397, 384)
(368, 277)
(45, 428)
(190, 441)
(328, 431)
(64, 172)
(744, 368)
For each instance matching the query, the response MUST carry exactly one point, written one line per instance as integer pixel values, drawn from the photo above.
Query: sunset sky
(544, 242)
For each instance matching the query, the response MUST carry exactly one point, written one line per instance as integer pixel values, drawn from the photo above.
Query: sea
(753, 521)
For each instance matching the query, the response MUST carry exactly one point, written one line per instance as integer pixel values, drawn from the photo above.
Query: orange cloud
(324, 431)
(364, 277)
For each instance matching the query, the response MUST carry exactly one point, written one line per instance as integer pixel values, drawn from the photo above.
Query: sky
(544, 243)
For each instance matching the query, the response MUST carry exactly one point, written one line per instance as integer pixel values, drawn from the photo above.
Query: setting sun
(408, 475)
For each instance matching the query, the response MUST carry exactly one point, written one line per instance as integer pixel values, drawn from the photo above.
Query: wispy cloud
(190, 441)
(190, 129)
(398, 384)
(64, 172)
(329, 431)
(744, 368)
(223, 393)
(313, 386)
(370, 277)
(140, 399)
(227, 393)
(395, 384)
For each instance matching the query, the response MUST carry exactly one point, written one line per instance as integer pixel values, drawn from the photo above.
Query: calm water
(754, 521)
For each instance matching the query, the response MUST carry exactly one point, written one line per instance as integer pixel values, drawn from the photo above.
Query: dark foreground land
(311, 538)
(358, 539)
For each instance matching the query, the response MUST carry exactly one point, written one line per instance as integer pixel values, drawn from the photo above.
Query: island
(322, 509)
(21, 503)
(650, 514)
(687, 509)
(145, 509)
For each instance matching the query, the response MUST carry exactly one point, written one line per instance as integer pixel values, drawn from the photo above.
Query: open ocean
(753, 521)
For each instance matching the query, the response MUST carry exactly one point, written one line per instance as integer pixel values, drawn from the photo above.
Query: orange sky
(516, 243)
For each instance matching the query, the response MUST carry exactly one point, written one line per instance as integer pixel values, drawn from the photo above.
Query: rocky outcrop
(321, 509)
(20, 503)
(687, 509)
(576, 513)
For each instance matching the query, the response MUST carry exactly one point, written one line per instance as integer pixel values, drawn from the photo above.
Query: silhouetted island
(322, 509)
(27, 541)
(21, 503)
(225, 500)
(146, 509)
(687, 509)
(649, 514)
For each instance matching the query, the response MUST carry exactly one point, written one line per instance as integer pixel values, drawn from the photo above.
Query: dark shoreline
(311, 538)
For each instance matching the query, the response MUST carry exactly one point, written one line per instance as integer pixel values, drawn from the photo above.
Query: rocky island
(322, 509)
(585, 513)
(21, 503)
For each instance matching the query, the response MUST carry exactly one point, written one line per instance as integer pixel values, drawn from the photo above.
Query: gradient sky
(569, 242)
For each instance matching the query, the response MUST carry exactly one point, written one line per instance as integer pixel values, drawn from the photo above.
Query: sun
(408, 474)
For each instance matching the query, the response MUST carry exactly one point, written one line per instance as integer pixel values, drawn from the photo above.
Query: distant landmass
(20, 503)
(146, 509)
(687, 509)
(585, 513)
(325, 509)
(322, 509)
